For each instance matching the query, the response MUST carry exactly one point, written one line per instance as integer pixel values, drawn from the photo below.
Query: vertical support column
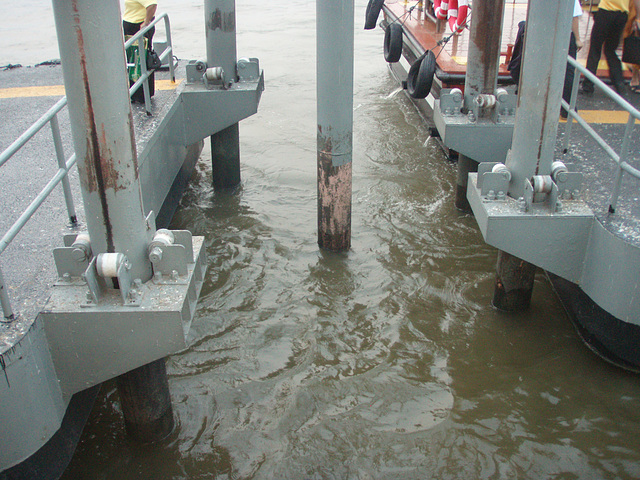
(102, 128)
(90, 41)
(335, 24)
(220, 29)
(541, 82)
(534, 135)
(482, 76)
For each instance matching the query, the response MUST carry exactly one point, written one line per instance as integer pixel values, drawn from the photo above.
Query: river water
(386, 362)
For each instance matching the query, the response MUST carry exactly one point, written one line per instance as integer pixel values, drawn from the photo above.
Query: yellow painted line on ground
(604, 116)
(58, 90)
(46, 91)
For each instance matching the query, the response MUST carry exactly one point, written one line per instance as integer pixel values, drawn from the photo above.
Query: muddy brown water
(386, 362)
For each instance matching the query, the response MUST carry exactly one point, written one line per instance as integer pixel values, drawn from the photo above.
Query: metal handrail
(620, 158)
(61, 176)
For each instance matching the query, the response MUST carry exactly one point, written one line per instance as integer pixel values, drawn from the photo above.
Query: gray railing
(620, 158)
(144, 74)
(61, 176)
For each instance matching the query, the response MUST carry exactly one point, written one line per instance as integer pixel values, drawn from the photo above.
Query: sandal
(634, 88)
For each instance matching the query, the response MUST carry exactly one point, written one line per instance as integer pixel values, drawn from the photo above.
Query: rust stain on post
(94, 175)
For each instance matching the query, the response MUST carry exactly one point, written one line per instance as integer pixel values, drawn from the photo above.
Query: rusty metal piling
(335, 40)
(482, 76)
(93, 65)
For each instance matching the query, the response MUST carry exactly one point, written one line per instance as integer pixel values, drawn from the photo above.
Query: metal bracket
(195, 70)
(172, 259)
(569, 185)
(248, 69)
(97, 284)
(72, 261)
(451, 101)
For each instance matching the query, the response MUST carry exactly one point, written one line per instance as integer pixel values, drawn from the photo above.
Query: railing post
(624, 153)
(7, 313)
(142, 55)
(62, 163)
(572, 105)
(167, 28)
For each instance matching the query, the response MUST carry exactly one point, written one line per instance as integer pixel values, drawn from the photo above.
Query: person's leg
(598, 35)
(635, 79)
(617, 23)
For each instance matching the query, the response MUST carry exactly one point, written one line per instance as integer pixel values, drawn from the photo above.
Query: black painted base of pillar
(335, 243)
(146, 402)
(514, 283)
(225, 157)
(465, 166)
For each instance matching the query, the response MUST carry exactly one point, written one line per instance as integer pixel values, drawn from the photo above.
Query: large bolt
(155, 255)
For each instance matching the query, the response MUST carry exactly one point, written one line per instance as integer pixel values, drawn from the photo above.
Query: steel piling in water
(514, 283)
(220, 28)
(534, 134)
(335, 40)
(104, 140)
(146, 402)
(481, 77)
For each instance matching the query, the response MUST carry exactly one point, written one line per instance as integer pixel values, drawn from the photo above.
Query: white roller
(107, 264)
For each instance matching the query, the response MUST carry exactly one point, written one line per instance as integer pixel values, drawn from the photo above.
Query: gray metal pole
(220, 32)
(90, 40)
(7, 312)
(483, 62)
(541, 82)
(220, 29)
(335, 24)
(93, 65)
(534, 136)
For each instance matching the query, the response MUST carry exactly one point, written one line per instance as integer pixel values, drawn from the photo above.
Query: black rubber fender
(372, 13)
(393, 43)
(421, 74)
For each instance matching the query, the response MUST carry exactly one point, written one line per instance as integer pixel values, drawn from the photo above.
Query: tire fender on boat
(372, 13)
(393, 42)
(421, 74)
(457, 15)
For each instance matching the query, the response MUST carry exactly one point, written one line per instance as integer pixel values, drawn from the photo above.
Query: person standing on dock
(632, 28)
(137, 15)
(608, 24)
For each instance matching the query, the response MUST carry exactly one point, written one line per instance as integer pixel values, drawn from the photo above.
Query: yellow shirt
(135, 11)
(614, 5)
